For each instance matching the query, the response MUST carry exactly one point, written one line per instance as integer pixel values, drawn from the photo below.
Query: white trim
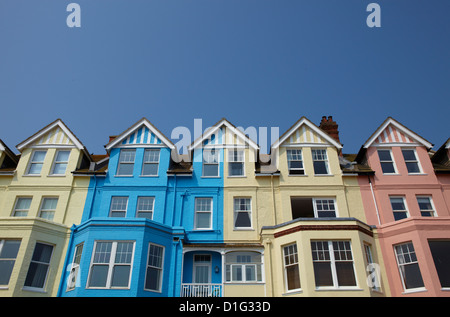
(313, 127)
(134, 128)
(408, 133)
(213, 130)
(57, 123)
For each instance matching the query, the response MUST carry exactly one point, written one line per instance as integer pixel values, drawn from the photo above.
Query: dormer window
(320, 161)
(295, 162)
(411, 161)
(210, 163)
(61, 161)
(386, 161)
(126, 163)
(236, 163)
(151, 162)
(36, 163)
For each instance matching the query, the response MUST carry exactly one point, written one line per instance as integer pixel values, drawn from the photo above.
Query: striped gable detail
(304, 134)
(142, 135)
(216, 138)
(55, 136)
(392, 135)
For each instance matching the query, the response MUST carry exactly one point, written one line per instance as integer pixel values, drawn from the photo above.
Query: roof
(402, 129)
(218, 125)
(58, 123)
(134, 128)
(304, 121)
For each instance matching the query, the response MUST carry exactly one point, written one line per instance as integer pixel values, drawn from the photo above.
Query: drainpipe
(174, 199)
(374, 200)
(273, 200)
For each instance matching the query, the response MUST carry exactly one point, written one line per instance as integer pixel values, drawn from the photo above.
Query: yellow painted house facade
(40, 199)
(299, 219)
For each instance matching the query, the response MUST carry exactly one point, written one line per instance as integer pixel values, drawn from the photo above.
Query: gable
(223, 134)
(54, 134)
(142, 133)
(304, 132)
(391, 132)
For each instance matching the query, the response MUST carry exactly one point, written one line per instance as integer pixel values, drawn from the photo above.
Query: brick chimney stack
(330, 126)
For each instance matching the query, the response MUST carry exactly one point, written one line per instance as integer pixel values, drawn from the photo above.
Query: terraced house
(407, 198)
(223, 219)
(40, 200)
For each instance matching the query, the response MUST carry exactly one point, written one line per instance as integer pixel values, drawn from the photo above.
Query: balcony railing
(201, 290)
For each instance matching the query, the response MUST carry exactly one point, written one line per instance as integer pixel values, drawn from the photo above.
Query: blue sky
(261, 63)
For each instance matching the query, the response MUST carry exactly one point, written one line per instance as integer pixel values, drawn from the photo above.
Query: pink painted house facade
(406, 194)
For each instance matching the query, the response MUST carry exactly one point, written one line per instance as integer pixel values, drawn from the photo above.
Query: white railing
(201, 290)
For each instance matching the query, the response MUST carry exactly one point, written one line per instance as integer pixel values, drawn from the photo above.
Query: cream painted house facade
(300, 212)
(40, 200)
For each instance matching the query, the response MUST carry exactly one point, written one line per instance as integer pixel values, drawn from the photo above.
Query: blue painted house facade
(152, 222)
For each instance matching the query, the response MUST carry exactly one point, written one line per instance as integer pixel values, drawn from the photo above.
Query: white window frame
(55, 162)
(235, 213)
(299, 153)
(333, 262)
(118, 210)
(243, 265)
(30, 164)
(316, 211)
(145, 211)
(399, 211)
(39, 289)
(210, 212)
(49, 211)
(160, 269)
(432, 211)
(2, 244)
(75, 266)
(111, 264)
(327, 165)
(399, 266)
(21, 210)
(416, 161)
(369, 261)
(291, 260)
(123, 151)
(392, 161)
(151, 163)
(236, 156)
(206, 160)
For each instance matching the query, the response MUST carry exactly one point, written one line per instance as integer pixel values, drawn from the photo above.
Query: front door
(202, 268)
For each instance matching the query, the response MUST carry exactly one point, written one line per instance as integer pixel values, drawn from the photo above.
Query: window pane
(153, 279)
(60, 168)
(242, 220)
(293, 277)
(236, 169)
(384, 155)
(151, 156)
(412, 167)
(36, 275)
(150, 169)
(320, 167)
(120, 276)
(62, 156)
(441, 256)
(42, 253)
(210, 169)
(49, 203)
(322, 274)
(387, 167)
(6, 267)
(10, 249)
(35, 168)
(203, 221)
(99, 274)
(345, 274)
(412, 276)
(125, 169)
(23, 203)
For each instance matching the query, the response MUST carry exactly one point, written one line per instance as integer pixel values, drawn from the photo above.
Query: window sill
(295, 175)
(123, 176)
(320, 175)
(417, 174)
(210, 176)
(236, 176)
(33, 289)
(292, 292)
(331, 288)
(148, 175)
(415, 290)
(243, 229)
(31, 175)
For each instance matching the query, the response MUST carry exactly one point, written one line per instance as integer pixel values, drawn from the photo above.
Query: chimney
(330, 127)
(112, 137)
